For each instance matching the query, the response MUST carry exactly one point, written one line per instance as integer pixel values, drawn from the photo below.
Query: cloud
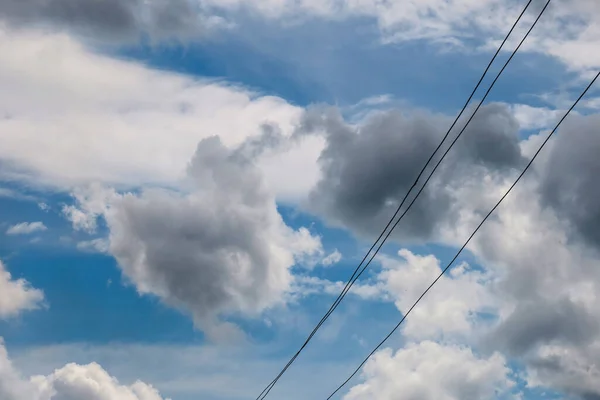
(367, 169)
(548, 285)
(221, 248)
(451, 309)
(112, 20)
(568, 368)
(16, 295)
(90, 382)
(25, 228)
(429, 371)
(545, 322)
(93, 201)
(535, 117)
(311, 285)
(567, 32)
(13, 194)
(122, 123)
(540, 287)
(569, 176)
(333, 258)
(98, 245)
(72, 381)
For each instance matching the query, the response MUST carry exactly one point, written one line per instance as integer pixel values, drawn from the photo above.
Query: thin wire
(470, 237)
(356, 274)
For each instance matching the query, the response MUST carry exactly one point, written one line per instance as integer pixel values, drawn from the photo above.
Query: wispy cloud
(13, 194)
(25, 228)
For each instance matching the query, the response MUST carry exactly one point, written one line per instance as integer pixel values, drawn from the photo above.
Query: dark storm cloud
(367, 170)
(570, 178)
(104, 19)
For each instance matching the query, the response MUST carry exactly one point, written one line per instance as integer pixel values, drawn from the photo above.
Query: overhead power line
(470, 237)
(358, 272)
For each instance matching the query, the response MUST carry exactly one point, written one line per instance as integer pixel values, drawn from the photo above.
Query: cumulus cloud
(452, 309)
(535, 117)
(25, 228)
(90, 382)
(332, 258)
(221, 248)
(122, 123)
(546, 260)
(429, 371)
(366, 170)
(16, 295)
(72, 381)
(568, 182)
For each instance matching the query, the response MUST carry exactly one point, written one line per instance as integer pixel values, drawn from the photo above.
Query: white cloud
(535, 117)
(119, 122)
(310, 285)
(73, 381)
(450, 308)
(92, 201)
(90, 382)
(16, 295)
(25, 228)
(98, 245)
(333, 258)
(431, 371)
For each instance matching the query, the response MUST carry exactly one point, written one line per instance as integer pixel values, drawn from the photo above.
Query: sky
(186, 185)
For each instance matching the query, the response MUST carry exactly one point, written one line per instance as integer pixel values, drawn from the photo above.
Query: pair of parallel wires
(391, 225)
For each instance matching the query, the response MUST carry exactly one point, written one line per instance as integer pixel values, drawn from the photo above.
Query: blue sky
(159, 242)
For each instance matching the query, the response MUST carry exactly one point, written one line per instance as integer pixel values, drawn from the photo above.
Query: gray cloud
(573, 370)
(107, 19)
(220, 249)
(569, 181)
(367, 170)
(537, 322)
